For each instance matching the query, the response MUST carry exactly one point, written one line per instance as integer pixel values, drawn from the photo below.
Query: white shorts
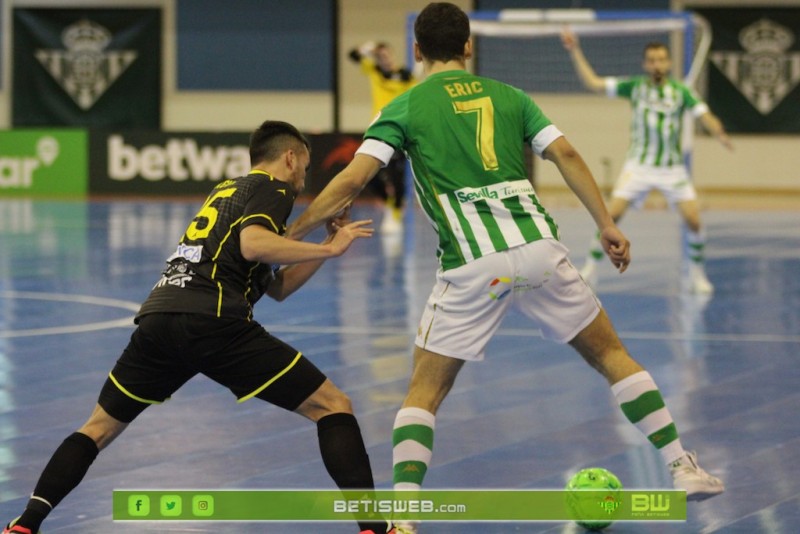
(636, 181)
(467, 304)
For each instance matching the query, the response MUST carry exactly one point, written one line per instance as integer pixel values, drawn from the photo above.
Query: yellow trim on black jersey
(259, 171)
(249, 287)
(267, 217)
(131, 395)
(271, 380)
(214, 261)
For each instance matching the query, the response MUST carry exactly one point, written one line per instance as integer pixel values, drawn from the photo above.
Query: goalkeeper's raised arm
(586, 73)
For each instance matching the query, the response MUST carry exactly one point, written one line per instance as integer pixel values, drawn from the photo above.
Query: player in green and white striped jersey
(498, 247)
(477, 205)
(654, 159)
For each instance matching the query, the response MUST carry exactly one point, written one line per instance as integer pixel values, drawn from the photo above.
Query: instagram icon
(203, 505)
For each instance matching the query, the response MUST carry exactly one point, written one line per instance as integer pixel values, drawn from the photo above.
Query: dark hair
(272, 139)
(442, 30)
(654, 45)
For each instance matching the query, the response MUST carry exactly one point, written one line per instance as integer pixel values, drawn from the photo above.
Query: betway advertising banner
(150, 162)
(43, 162)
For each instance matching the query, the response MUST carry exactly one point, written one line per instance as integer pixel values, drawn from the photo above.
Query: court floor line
(70, 329)
(532, 332)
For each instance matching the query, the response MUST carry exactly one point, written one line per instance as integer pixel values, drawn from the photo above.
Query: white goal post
(689, 34)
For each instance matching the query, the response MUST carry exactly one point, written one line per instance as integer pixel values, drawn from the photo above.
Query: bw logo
(766, 72)
(609, 504)
(85, 70)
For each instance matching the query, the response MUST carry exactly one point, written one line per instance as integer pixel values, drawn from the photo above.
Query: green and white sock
(695, 246)
(412, 439)
(595, 249)
(642, 404)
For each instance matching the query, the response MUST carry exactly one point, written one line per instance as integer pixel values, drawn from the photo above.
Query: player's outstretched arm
(712, 123)
(257, 243)
(292, 277)
(337, 195)
(586, 73)
(580, 180)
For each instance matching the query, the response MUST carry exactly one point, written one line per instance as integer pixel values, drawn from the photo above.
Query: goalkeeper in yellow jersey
(387, 80)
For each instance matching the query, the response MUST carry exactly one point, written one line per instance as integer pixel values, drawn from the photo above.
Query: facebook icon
(139, 505)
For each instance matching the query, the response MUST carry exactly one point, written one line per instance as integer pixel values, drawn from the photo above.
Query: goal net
(522, 46)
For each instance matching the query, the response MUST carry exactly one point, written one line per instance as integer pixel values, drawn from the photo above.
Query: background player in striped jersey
(498, 246)
(654, 159)
(198, 319)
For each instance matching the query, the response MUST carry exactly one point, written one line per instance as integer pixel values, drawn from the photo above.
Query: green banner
(754, 68)
(87, 67)
(425, 505)
(43, 162)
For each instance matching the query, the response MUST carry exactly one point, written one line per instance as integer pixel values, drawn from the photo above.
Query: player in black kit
(199, 319)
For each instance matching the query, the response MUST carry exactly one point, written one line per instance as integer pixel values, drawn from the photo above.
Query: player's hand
(368, 48)
(617, 247)
(337, 221)
(726, 141)
(345, 235)
(569, 39)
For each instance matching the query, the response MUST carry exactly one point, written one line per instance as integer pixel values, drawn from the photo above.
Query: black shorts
(166, 350)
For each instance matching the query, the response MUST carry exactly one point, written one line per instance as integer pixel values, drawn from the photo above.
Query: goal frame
(511, 23)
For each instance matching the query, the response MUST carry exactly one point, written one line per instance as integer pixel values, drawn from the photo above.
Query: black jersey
(207, 274)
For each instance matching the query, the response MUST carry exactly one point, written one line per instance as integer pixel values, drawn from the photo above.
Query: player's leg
(632, 187)
(695, 247)
(642, 403)
(393, 181)
(341, 444)
(566, 310)
(258, 365)
(140, 374)
(66, 468)
(397, 181)
(677, 187)
(464, 309)
(432, 377)
(340, 441)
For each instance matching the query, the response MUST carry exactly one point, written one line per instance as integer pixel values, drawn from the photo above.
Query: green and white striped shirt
(464, 136)
(657, 120)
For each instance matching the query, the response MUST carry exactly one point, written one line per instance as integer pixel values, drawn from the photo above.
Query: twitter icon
(171, 505)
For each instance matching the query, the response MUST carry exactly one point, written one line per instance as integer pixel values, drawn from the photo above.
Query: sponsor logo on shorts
(501, 286)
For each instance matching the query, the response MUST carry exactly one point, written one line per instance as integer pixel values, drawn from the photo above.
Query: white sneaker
(392, 221)
(406, 527)
(589, 273)
(698, 281)
(689, 476)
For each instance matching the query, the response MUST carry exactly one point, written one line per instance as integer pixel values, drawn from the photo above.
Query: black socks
(345, 457)
(63, 472)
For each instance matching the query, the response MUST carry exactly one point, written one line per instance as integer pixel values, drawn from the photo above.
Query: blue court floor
(72, 275)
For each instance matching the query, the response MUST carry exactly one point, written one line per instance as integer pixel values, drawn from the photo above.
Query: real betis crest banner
(754, 68)
(87, 67)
